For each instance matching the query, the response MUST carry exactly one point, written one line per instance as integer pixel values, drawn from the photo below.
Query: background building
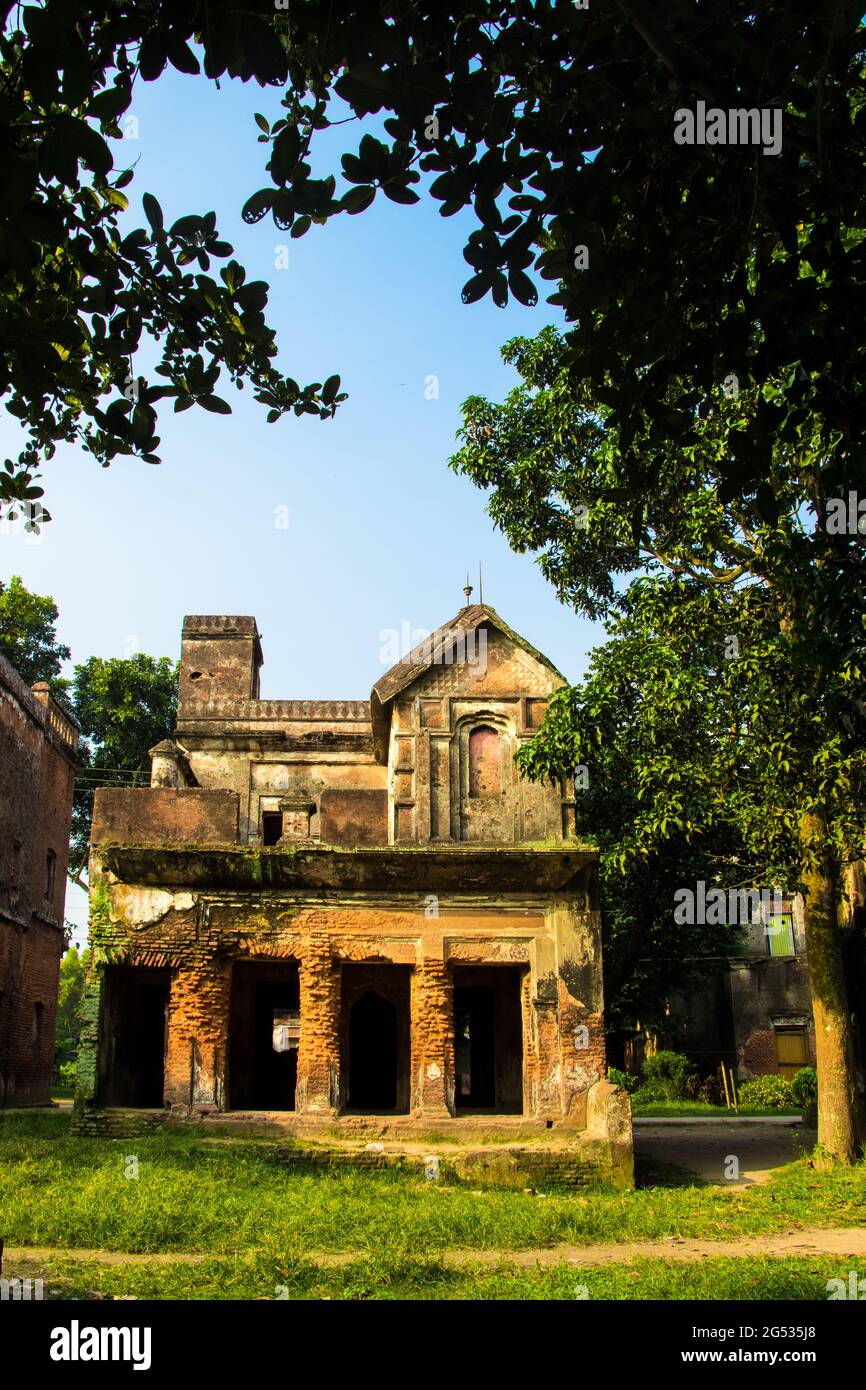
(755, 1015)
(38, 744)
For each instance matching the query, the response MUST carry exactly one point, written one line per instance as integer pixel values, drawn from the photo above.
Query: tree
(679, 781)
(679, 266)
(28, 637)
(612, 726)
(791, 763)
(73, 973)
(77, 295)
(124, 707)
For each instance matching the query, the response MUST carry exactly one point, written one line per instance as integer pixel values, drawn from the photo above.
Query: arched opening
(372, 1054)
(485, 762)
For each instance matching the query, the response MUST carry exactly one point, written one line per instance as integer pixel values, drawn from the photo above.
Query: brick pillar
(318, 1088)
(548, 1093)
(432, 1005)
(198, 1025)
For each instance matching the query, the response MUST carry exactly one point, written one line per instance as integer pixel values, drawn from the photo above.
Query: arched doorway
(372, 1054)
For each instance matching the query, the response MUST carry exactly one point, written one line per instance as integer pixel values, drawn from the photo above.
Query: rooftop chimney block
(220, 659)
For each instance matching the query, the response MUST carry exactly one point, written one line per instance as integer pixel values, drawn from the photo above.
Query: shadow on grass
(651, 1172)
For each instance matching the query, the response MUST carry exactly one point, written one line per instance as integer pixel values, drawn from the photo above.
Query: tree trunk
(838, 1106)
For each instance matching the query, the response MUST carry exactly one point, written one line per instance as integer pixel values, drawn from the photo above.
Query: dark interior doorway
(375, 1012)
(263, 1035)
(488, 1039)
(373, 1053)
(132, 1055)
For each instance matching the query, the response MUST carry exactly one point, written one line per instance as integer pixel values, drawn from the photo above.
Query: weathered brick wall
(197, 937)
(29, 971)
(37, 768)
(432, 1039)
(758, 1055)
(432, 722)
(767, 991)
(353, 816)
(220, 658)
(198, 1035)
(188, 814)
(318, 1084)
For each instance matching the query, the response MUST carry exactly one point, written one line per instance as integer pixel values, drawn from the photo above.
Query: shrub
(66, 1073)
(665, 1077)
(707, 1089)
(622, 1078)
(804, 1087)
(770, 1092)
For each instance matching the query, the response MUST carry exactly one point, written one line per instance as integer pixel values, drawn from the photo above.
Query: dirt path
(849, 1242)
(43, 1254)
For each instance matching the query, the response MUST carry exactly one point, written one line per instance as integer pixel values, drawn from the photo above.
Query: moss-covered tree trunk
(838, 1106)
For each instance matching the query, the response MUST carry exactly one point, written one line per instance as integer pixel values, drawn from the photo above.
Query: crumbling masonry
(338, 909)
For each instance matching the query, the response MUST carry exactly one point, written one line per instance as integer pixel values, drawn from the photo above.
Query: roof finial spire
(480, 585)
(467, 589)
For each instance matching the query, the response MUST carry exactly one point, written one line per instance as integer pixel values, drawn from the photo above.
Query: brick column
(318, 1089)
(548, 1093)
(432, 1006)
(198, 1026)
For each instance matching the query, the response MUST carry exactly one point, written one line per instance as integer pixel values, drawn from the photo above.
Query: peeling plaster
(141, 907)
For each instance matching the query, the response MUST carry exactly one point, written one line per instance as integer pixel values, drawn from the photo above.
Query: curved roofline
(429, 653)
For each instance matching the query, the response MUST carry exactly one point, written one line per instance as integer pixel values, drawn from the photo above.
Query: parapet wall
(165, 815)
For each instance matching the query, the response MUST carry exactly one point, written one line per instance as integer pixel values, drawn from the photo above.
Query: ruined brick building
(329, 908)
(38, 745)
(755, 1013)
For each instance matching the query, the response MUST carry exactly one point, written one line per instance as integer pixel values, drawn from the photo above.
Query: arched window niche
(485, 762)
(483, 795)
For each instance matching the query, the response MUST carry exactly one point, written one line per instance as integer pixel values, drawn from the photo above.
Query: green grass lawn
(257, 1275)
(233, 1199)
(687, 1108)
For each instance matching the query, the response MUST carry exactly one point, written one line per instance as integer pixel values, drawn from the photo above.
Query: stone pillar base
(432, 1112)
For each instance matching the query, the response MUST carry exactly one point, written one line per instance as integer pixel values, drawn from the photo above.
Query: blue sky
(380, 533)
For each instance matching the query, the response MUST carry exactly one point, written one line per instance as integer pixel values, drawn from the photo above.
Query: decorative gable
(449, 719)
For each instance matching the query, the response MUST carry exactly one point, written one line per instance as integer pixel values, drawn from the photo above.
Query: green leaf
(476, 288)
(152, 55)
(399, 193)
(180, 53)
(358, 199)
(258, 205)
(522, 288)
(153, 212)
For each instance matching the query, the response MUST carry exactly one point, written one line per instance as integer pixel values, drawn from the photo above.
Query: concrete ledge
(408, 868)
(502, 1151)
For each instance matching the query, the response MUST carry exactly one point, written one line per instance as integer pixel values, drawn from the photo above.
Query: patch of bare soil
(849, 1242)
